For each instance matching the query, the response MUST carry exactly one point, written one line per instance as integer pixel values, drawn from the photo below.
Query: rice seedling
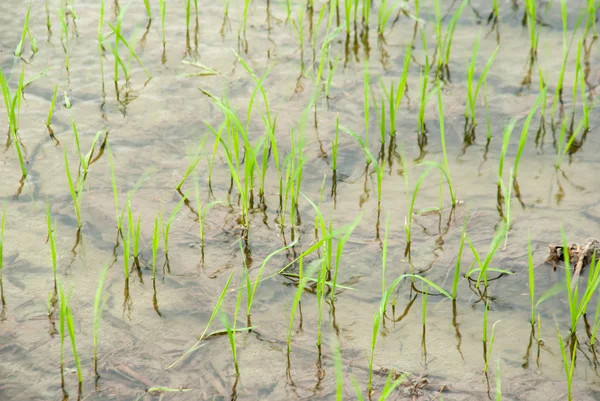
(383, 15)
(348, 15)
(379, 169)
(565, 52)
(52, 243)
(472, 93)
(568, 363)
(505, 141)
(66, 316)
(444, 44)
(135, 234)
(100, 35)
(126, 255)
(242, 31)
(75, 189)
(421, 128)
(335, 146)
(409, 217)
(490, 346)
(531, 279)
(524, 134)
(19, 50)
(62, 332)
(155, 239)
(596, 325)
(48, 24)
(13, 107)
(484, 267)
(531, 16)
(202, 211)
(62, 16)
(592, 8)
(328, 236)
(379, 315)
(235, 130)
(494, 15)
(576, 80)
(162, 6)
(382, 124)
(192, 165)
(339, 374)
(320, 292)
(299, 27)
(498, 383)
(330, 74)
(148, 9)
(66, 99)
(52, 105)
(252, 287)
(303, 280)
(99, 304)
(215, 312)
(586, 107)
(167, 227)
(2, 224)
(116, 29)
(394, 98)
(578, 305)
(115, 191)
(564, 147)
(231, 330)
(507, 193)
(445, 165)
(461, 246)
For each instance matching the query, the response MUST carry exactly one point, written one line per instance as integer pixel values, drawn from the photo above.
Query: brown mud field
(304, 174)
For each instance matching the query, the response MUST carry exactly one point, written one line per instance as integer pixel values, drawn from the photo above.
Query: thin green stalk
(52, 104)
(75, 193)
(155, 239)
(231, 331)
(379, 168)
(19, 49)
(568, 363)
(254, 287)
(445, 164)
(458, 260)
(126, 250)
(167, 227)
(52, 243)
(192, 165)
(505, 141)
(489, 348)
(65, 31)
(162, 5)
(66, 315)
(531, 279)
(148, 9)
(212, 317)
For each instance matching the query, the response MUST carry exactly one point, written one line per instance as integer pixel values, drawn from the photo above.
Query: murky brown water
(155, 128)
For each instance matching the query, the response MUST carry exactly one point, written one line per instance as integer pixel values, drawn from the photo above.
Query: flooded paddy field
(299, 200)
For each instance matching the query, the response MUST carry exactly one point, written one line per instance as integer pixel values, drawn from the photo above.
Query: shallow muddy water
(155, 127)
